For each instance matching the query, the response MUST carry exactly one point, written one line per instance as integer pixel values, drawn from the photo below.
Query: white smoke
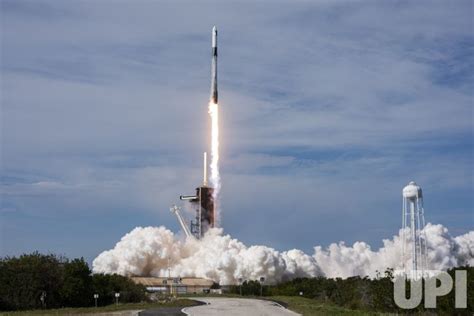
(443, 252)
(151, 251)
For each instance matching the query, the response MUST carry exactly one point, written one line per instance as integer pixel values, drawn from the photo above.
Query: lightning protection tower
(413, 235)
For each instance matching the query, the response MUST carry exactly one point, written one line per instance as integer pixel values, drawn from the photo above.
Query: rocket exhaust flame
(215, 176)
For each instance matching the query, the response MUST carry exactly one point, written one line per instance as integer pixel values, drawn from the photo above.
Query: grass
(309, 307)
(102, 309)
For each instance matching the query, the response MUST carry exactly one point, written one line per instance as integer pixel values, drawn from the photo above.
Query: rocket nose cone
(214, 36)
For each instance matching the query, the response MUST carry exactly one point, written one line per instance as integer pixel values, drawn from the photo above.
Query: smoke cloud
(443, 252)
(151, 251)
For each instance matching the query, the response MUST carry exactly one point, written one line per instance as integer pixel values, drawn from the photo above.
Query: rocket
(203, 200)
(214, 67)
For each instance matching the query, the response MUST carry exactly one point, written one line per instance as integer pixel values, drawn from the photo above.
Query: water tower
(413, 236)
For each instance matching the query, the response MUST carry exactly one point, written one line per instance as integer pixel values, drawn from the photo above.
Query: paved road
(162, 311)
(236, 307)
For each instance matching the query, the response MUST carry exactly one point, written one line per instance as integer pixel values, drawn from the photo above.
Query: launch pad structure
(203, 202)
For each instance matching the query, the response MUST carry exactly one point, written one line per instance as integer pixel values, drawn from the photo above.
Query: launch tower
(203, 202)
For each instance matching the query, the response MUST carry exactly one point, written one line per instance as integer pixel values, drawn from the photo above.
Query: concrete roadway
(236, 307)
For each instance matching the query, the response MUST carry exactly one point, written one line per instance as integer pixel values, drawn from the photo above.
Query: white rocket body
(214, 98)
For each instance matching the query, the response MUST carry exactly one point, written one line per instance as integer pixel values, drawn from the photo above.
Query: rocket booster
(214, 67)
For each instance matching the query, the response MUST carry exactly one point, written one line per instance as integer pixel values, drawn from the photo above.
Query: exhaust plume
(223, 259)
(215, 176)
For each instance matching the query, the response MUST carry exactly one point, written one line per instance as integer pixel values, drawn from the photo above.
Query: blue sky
(328, 108)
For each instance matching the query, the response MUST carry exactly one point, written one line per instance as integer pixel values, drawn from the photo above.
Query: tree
(61, 282)
(24, 279)
(77, 288)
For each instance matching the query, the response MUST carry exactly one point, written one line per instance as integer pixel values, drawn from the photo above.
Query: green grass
(309, 307)
(102, 309)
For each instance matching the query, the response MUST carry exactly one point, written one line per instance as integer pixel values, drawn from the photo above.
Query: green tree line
(48, 281)
(361, 293)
